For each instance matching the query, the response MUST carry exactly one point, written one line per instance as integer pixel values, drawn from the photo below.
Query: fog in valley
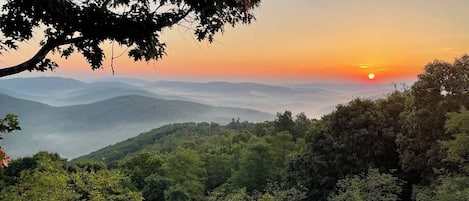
(74, 117)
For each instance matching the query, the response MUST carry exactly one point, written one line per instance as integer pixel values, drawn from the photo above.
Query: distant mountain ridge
(79, 129)
(314, 99)
(58, 91)
(56, 111)
(38, 86)
(219, 86)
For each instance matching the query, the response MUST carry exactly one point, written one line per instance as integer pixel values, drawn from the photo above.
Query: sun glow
(371, 76)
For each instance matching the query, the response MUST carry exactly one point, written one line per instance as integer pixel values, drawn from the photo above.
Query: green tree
(186, 170)
(7, 125)
(361, 129)
(46, 176)
(41, 161)
(275, 192)
(155, 186)
(457, 148)
(445, 188)
(236, 195)
(455, 188)
(102, 184)
(218, 167)
(40, 185)
(84, 25)
(284, 122)
(318, 166)
(302, 125)
(453, 182)
(391, 108)
(272, 192)
(353, 138)
(140, 166)
(296, 126)
(442, 88)
(217, 154)
(45, 179)
(255, 167)
(145, 170)
(372, 186)
(281, 146)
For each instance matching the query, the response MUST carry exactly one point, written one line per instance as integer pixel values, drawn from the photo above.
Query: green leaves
(40, 185)
(442, 88)
(186, 170)
(155, 186)
(49, 178)
(190, 160)
(454, 188)
(372, 186)
(9, 124)
(141, 166)
(103, 185)
(255, 167)
(457, 148)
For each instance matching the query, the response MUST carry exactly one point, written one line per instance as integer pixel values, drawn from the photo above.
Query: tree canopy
(8, 124)
(83, 25)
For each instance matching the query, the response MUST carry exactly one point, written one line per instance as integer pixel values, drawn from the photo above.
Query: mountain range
(75, 117)
(314, 99)
(79, 129)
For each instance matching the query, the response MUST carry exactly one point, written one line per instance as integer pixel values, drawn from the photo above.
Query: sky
(300, 41)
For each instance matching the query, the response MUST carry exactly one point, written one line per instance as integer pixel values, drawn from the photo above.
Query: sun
(371, 76)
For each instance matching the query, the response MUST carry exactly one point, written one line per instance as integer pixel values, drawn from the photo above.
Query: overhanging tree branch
(135, 24)
(41, 54)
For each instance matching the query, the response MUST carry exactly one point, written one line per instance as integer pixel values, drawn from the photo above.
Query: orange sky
(302, 41)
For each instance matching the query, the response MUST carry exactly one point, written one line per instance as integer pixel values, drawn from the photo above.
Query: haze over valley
(74, 117)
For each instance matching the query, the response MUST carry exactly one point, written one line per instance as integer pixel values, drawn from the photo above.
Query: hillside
(158, 136)
(79, 129)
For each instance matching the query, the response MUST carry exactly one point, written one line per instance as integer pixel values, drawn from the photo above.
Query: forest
(411, 144)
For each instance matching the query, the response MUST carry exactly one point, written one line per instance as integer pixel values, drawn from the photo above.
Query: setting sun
(371, 76)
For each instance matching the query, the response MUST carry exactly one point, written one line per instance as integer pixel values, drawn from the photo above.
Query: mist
(74, 117)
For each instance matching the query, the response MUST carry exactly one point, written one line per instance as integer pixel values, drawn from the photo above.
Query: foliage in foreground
(46, 176)
(7, 125)
(372, 186)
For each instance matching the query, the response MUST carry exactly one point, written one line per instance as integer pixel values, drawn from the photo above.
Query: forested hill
(79, 129)
(200, 157)
(165, 136)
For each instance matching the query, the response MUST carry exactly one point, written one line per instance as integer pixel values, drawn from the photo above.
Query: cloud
(382, 69)
(364, 66)
(448, 49)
